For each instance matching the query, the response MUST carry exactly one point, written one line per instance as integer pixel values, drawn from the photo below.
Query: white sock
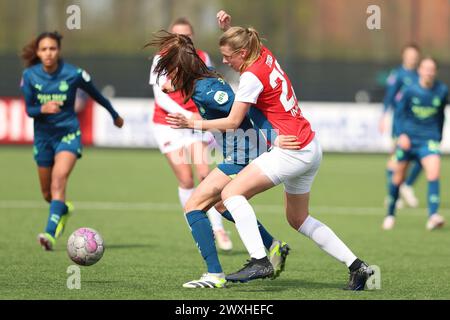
(246, 225)
(327, 240)
(215, 218)
(184, 195)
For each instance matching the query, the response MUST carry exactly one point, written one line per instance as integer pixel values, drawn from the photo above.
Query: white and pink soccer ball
(85, 246)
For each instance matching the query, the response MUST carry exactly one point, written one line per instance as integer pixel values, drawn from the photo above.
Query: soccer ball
(85, 246)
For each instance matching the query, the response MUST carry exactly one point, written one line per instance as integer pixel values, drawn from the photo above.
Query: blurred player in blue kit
(400, 78)
(421, 110)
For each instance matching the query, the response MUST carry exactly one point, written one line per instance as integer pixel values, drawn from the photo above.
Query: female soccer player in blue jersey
(400, 78)
(214, 98)
(49, 86)
(421, 107)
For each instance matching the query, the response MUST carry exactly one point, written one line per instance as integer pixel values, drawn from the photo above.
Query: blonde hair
(238, 38)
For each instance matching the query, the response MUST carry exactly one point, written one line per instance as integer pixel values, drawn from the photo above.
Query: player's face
(427, 71)
(233, 59)
(48, 52)
(411, 58)
(183, 29)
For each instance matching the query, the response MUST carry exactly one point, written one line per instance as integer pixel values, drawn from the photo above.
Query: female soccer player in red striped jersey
(264, 84)
(176, 145)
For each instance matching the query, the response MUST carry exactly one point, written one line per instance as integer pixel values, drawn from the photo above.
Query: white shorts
(296, 169)
(170, 139)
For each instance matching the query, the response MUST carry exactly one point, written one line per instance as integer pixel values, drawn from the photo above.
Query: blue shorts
(418, 151)
(45, 150)
(231, 169)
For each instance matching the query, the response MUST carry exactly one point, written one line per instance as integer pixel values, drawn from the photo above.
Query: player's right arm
(33, 107)
(224, 20)
(392, 87)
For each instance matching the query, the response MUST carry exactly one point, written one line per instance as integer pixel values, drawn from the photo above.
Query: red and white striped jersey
(265, 85)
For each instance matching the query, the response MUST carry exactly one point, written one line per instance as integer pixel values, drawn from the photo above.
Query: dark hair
(411, 45)
(29, 55)
(179, 60)
(182, 21)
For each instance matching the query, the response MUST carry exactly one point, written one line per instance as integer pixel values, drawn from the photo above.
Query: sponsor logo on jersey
(63, 86)
(269, 61)
(86, 76)
(221, 97)
(391, 79)
(415, 100)
(436, 102)
(38, 86)
(202, 110)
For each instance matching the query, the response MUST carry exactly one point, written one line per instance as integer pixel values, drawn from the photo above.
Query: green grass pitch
(130, 197)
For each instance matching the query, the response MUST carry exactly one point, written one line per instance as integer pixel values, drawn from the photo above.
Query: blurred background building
(324, 45)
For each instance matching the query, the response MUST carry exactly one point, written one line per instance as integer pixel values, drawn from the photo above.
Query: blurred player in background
(399, 79)
(49, 86)
(266, 86)
(214, 98)
(421, 109)
(179, 145)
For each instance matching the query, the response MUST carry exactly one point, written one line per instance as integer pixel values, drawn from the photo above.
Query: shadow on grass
(233, 253)
(279, 285)
(128, 246)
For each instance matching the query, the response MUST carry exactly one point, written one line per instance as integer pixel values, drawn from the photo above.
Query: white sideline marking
(148, 206)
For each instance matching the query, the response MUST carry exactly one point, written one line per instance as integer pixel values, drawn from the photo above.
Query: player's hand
(287, 142)
(224, 20)
(404, 142)
(51, 107)
(118, 122)
(179, 121)
(382, 125)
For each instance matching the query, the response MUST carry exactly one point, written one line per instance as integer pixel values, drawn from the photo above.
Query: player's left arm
(237, 114)
(87, 85)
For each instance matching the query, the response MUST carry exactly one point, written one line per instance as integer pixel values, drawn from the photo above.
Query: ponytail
(238, 38)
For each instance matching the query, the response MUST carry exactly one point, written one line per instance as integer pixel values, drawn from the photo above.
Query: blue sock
(265, 235)
(414, 173)
(204, 238)
(393, 197)
(389, 174)
(57, 209)
(433, 197)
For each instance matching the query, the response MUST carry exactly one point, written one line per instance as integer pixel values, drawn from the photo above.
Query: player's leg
(203, 198)
(45, 179)
(171, 144)
(402, 157)
(180, 166)
(432, 167)
(198, 149)
(297, 215)
(406, 189)
(390, 169)
(249, 182)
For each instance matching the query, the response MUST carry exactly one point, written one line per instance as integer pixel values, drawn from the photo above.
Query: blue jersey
(40, 87)
(214, 99)
(422, 111)
(398, 80)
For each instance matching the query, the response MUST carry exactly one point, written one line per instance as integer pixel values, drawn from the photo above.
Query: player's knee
(46, 194)
(296, 221)
(191, 205)
(185, 181)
